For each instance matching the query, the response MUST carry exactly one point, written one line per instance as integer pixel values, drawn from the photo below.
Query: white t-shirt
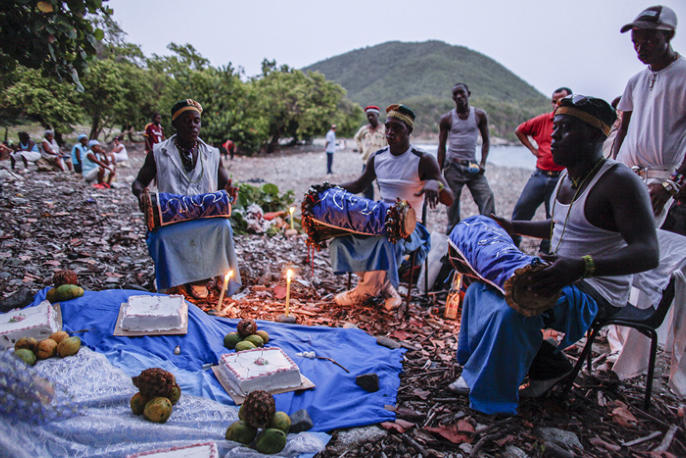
(656, 137)
(331, 139)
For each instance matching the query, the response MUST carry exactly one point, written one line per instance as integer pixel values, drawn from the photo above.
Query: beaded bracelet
(677, 178)
(589, 266)
(671, 187)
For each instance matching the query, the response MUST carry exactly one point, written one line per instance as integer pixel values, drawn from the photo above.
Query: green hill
(422, 76)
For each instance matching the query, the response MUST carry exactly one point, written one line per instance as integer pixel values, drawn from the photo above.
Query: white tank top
(171, 176)
(398, 176)
(462, 137)
(583, 238)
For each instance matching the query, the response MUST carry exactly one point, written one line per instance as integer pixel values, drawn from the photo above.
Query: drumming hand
(658, 197)
(430, 191)
(563, 272)
(504, 223)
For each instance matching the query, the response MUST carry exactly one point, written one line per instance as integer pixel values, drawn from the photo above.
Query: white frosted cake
(204, 450)
(38, 322)
(266, 369)
(154, 313)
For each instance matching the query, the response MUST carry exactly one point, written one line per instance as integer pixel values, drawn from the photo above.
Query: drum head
(519, 297)
(408, 220)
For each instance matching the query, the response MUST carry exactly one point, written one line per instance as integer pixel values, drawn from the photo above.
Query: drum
(162, 209)
(330, 211)
(482, 250)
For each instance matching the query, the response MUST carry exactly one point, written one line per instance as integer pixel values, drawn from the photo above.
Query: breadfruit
(245, 345)
(259, 408)
(231, 339)
(264, 335)
(69, 346)
(64, 277)
(271, 441)
(59, 336)
(246, 327)
(155, 382)
(26, 342)
(46, 349)
(158, 410)
(26, 355)
(281, 421)
(241, 432)
(175, 394)
(255, 339)
(137, 403)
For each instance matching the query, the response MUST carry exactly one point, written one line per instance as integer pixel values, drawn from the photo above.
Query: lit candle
(289, 276)
(228, 275)
(292, 210)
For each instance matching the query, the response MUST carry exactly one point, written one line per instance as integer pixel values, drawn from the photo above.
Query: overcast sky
(548, 43)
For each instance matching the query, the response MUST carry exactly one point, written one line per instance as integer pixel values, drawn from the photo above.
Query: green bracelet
(589, 266)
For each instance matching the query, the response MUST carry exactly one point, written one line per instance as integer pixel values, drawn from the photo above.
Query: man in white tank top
(402, 172)
(602, 234)
(459, 130)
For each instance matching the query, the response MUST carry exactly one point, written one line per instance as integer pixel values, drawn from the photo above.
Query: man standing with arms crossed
(370, 139)
(542, 182)
(460, 128)
(652, 136)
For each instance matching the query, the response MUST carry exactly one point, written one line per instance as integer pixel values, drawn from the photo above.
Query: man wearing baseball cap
(652, 136)
(370, 138)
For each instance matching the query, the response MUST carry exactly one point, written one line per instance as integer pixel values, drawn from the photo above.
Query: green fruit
(255, 340)
(51, 295)
(69, 346)
(231, 339)
(245, 345)
(68, 292)
(175, 394)
(158, 410)
(26, 355)
(241, 432)
(271, 441)
(241, 412)
(137, 403)
(281, 421)
(26, 342)
(264, 335)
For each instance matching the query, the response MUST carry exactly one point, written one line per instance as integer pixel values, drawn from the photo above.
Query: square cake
(266, 369)
(203, 450)
(154, 313)
(39, 322)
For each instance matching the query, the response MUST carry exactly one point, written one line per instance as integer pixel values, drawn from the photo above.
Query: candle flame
(289, 274)
(292, 210)
(228, 275)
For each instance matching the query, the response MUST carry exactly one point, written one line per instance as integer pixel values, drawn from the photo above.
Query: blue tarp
(336, 402)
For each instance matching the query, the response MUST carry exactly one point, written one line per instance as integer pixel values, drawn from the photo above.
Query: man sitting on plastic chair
(190, 252)
(602, 232)
(402, 171)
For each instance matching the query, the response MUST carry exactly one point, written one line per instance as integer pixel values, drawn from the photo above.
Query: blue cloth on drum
(497, 345)
(192, 251)
(170, 208)
(340, 208)
(488, 250)
(353, 253)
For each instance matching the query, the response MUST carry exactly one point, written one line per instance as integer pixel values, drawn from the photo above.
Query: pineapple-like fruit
(155, 382)
(258, 409)
(246, 327)
(64, 277)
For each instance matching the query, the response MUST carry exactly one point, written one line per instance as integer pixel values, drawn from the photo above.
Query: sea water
(506, 155)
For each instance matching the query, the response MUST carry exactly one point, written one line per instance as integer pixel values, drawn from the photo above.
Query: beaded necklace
(186, 154)
(578, 185)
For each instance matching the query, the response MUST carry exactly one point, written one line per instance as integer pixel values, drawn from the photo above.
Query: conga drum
(162, 208)
(331, 211)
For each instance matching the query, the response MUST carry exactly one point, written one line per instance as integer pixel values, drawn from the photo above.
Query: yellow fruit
(137, 403)
(46, 349)
(26, 342)
(69, 346)
(59, 336)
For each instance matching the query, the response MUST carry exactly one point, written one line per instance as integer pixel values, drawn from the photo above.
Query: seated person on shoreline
(78, 152)
(51, 152)
(602, 233)
(95, 165)
(195, 251)
(26, 151)
(119, 150)
(402, 171)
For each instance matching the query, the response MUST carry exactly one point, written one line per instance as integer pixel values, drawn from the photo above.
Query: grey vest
(462, 137)
(173, 178)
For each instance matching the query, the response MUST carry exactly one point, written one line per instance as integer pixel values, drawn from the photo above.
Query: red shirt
(228, 146)
(540, 129)
(154, 133)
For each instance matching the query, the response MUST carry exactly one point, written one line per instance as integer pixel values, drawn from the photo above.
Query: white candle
(228, 275)
(292, 210)
(289, 276)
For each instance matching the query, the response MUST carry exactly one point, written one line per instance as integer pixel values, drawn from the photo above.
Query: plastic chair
(646, 321)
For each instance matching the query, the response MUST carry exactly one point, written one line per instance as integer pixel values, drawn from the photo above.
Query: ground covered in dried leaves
(51, 221)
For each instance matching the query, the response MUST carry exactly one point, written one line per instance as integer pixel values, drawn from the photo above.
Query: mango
(158, 410)
(26, 342)
(59, 336)
(231, 339)
(241, 432)
(264, 335)
(281, 421)
(69, 347)
(46, 349)
(271, 441)
(245, 345)
(26, 355)
(175, 394)
(137, 403)
(68, 292)
(255, 340)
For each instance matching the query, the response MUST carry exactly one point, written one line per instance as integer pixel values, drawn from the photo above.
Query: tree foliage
(57, 36)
